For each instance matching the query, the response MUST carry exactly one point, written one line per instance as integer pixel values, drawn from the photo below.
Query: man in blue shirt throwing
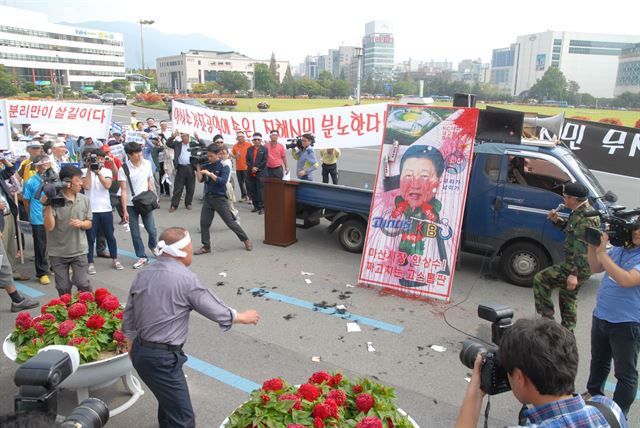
(615, 329)
(215, 175)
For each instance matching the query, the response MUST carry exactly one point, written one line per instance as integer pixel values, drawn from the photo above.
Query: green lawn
(629, 118)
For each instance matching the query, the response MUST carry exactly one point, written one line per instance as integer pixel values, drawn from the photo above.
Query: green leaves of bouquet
(89, 321)
(325, 401)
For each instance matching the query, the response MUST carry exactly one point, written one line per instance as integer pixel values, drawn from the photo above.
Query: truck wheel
(351, 235)
(520, 261)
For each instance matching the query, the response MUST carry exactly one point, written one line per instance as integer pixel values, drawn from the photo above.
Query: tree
(340, 88)
(273, 67)
(7, 88)
(287, 87)
(204, 88)
(369, 86)
(233, 81)
(551, 86)
(120, 85)
(306, 86)
(325, 79)
(265, 80)
(405, 87)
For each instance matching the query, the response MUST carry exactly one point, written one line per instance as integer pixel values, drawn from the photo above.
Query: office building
(378, 50)
(181, 72)
(503, 68)
(628, 77)
(44, 53)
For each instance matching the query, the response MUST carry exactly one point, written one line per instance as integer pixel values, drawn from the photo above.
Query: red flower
(309, 392)
(55, 302)
(48, 317)
(337, 379)
(295, 426)
(119, 336)
(364, 402)
(77, 341)
(357, 389)
(319, 377)
(43, 309)
(338, 396)
(37, 341)
(23, 320)
(321, 411)
(275, 384)
(291, 397)
(120, 315)
(86, 296)
(40, 329)
(65, 327)
(389, 423)
(101, 293)
(66, 298)
(317, 423)
(77, 310)
(95, 322)
(110, 303)
(265, 398)
(370, 422)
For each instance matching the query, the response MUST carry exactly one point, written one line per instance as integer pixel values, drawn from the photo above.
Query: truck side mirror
(610, 196)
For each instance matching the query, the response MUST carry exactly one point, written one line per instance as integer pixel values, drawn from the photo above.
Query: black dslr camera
(618, 225)
(38, 380)
(493, 377)
(52, 187)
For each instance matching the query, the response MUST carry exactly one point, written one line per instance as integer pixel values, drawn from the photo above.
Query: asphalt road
(430, 384)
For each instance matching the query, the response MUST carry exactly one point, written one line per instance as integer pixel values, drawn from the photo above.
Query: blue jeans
(620, 342)
(102, 222)
(149, 225)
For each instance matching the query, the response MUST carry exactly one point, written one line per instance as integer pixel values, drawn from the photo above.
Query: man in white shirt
(140, 179)
(96, 181)
(59, 154)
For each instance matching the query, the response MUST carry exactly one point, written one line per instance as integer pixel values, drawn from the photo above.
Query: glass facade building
(378, 50)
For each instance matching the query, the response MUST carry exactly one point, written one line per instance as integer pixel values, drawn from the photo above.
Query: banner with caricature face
(418, 201)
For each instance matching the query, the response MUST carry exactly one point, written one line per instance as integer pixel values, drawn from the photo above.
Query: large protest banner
(602, 146)
(54, 117)
(418, 201)
(338, 127)
(5, 130)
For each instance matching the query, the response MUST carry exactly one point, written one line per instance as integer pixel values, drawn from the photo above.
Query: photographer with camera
(66, 226)
(96, 181)
(183, 165)
(32, 198)
(615, 329)
(306, 159)
(574, 271)
(540, 359)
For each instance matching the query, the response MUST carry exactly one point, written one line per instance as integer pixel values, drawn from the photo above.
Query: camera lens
(470, 349)
(91, 413)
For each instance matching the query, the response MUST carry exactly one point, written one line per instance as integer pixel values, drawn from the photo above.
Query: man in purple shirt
(156, 320)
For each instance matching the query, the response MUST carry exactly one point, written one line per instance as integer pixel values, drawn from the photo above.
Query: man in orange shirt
(239, 153)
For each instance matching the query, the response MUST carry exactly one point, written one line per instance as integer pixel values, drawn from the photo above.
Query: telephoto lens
(469, 351)
(91, 413)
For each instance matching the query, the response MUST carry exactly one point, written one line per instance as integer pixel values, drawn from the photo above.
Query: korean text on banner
(5, 130)
(339, 127)
(58, 117)
(418, 201)
(135, 136)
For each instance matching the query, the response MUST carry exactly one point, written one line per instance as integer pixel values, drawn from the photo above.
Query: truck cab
(512, 188)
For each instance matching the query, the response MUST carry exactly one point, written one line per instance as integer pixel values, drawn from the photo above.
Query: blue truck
(512, 187)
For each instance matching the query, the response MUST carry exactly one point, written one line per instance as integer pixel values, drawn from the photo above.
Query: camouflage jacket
(575, 246)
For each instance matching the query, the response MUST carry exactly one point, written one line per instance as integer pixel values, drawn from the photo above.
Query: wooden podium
(279, 211)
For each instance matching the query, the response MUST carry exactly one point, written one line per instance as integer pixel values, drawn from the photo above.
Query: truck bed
(334, 197)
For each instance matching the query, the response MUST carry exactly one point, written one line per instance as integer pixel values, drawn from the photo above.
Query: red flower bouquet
(324, 401)
(89, 321)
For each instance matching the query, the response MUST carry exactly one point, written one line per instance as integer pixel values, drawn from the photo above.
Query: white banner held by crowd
(5, 130)
(135, 136)
(338, 127)
(54, 117)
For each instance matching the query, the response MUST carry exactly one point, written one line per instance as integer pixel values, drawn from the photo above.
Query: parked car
(93, 96)
(119, 98)
(107, 97)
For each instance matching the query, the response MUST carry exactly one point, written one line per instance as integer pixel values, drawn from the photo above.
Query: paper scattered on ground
(370, 347)
(307, 280)
(339, 307)
(306, 273)
(223, 274)
(438, 348)
(353, 327)
(315, 359)
(467, 378)
(350, 286)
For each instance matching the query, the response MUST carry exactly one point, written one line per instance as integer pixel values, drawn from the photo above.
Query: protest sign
(135, 136)
(5, 130)
(53, 117)
(418, 201)
(339, 127)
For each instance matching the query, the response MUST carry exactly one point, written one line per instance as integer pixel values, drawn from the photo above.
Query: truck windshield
(586, 172)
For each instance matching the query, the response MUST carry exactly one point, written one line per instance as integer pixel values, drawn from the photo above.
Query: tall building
(181, 72)
(44, 53)
(628, 77)
(589, 59)
(378, 50)
(311, 67)
(503, 68)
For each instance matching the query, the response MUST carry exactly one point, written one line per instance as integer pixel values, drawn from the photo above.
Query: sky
(423, 30)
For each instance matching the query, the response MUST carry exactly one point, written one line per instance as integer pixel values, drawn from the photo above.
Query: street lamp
(143, 22)
(358, 55)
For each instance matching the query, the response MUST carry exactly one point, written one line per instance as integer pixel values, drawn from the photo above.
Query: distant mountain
(158, 41)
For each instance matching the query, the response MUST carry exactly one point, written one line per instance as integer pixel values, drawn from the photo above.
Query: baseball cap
(33, 144)
(576, 190)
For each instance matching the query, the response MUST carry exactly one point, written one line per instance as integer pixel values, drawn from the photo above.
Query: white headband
(175, 249)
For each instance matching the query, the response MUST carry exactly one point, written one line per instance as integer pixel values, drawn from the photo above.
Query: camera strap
(125, 168)
(606, 411)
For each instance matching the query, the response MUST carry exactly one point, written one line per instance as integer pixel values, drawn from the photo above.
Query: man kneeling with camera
(540, 359)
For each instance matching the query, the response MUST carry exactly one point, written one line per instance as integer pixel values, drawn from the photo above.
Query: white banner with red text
(338, 127)
(5, 130)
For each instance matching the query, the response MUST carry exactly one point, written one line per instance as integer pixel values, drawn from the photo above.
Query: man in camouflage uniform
(569, 275)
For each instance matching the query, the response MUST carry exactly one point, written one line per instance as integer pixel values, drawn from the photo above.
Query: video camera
(198, 155)
(38, 380)
(93, 162)
(618, 225)
(52, 188)
(295, 143)
(493, 377)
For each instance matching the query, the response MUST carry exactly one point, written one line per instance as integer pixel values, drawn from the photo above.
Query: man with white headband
(156, 321)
